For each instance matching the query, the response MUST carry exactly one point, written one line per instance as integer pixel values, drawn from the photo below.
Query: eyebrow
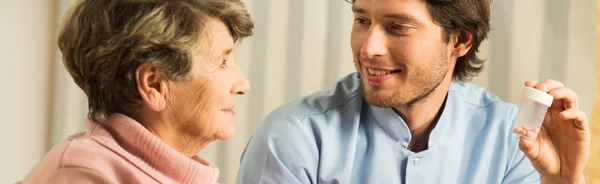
(227, 51)
(399, 16)
(358, 10)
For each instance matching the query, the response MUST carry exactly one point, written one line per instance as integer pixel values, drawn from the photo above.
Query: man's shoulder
(478, 110)
(319, 110)
(488, 116)
(478, 97)
(343, 95)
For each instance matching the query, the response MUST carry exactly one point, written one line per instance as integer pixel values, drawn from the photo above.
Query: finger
(578, 116)
(548, 85)
(529, 147)
(531, 83)
(568, 96)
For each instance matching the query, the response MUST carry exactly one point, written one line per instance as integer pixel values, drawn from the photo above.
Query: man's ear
(152, 86)
(464, 41)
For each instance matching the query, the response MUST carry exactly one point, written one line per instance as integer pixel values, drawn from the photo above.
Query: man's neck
(421, 116)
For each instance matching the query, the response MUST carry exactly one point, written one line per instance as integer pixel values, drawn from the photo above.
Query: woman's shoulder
(79, 152)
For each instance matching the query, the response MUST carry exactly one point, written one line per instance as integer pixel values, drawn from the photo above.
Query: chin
(384, 96)
(224, 137)
(225, 132)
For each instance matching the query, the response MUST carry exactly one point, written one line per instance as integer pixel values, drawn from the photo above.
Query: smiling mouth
(378, 76)
(376, 72)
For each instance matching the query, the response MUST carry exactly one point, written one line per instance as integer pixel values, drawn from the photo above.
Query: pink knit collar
(143, 149)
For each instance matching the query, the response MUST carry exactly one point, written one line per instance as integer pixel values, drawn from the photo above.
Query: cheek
(417, 51)
(197, 98)
(405, 53)
(221, 87)
(356, 42)
(176, 96)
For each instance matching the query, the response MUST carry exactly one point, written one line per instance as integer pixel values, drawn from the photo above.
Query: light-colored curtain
(27, 51)
(302, 46)
(70, 103)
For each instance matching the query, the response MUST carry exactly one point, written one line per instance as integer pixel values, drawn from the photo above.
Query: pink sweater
(124, 152)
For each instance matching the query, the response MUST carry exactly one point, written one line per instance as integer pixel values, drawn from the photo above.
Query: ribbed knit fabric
(124, 152)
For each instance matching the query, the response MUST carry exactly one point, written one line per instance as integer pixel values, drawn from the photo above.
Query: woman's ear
(152, 86)
(464, 42)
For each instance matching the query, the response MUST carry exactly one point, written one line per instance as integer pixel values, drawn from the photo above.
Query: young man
(406, 116)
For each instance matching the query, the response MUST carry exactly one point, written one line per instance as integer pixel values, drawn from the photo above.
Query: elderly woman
(161, 83)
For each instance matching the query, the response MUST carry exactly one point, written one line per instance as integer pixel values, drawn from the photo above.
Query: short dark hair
(469, 15)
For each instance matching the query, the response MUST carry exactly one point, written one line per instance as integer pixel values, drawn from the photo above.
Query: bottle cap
(538, 96)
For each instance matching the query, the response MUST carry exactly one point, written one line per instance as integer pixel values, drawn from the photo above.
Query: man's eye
(361, 21)
(399, 27)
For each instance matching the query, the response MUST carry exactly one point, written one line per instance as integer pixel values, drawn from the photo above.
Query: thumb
(530, 147)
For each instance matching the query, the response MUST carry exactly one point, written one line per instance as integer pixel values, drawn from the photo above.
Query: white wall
(26, 51)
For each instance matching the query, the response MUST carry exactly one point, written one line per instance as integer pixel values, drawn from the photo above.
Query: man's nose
(374, 44)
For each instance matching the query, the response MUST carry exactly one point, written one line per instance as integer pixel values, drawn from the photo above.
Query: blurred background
(300, 47)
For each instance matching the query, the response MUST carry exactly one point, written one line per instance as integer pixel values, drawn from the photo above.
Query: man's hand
(561, 150)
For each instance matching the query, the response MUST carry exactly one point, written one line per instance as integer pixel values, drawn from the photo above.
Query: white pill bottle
(532, 111)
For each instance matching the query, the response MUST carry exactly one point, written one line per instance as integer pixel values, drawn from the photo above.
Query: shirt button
(416, 161)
